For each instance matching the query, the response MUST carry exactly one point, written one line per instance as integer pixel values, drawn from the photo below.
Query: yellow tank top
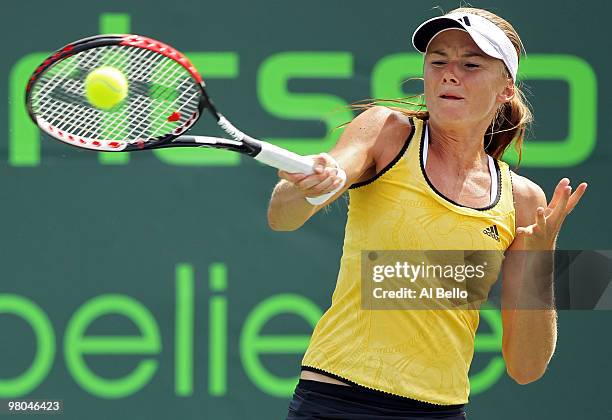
(419, 354)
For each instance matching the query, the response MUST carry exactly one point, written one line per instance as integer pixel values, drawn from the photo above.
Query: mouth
(451, 97)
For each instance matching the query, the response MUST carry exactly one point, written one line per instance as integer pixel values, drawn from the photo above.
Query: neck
(462, 148)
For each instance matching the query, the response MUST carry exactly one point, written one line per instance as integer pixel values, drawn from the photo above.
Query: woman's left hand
(542, 234)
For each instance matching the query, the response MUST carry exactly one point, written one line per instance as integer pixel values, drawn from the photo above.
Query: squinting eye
(470, 65)
(437, 63)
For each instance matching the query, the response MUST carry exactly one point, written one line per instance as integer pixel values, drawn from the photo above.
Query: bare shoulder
(370, 141)
(528, 196)
(379, 119)
(386, 130)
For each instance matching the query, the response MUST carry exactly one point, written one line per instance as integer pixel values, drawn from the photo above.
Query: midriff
(314, 376)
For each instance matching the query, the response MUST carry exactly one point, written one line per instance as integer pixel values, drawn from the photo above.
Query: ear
(507, 92)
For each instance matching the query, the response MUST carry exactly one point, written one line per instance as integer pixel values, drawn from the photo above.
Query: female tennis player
(432, 181)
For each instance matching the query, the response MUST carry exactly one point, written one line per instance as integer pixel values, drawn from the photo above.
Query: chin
(451, 116)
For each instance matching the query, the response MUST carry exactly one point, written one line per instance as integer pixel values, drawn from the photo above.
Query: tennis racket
(166, 96)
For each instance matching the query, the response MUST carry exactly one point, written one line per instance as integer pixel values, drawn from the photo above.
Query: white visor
(487, 35)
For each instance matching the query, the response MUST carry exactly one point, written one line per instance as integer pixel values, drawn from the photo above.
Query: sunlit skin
(457, 165)
(455, 65)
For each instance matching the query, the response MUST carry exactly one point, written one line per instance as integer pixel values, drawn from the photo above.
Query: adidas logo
(492, 232)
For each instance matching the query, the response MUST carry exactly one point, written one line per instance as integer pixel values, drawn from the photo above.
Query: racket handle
(291, 162)
(283, 159)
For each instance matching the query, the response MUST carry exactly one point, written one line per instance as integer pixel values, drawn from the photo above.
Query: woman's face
(463, 85)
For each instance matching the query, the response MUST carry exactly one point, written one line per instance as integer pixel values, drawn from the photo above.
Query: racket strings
(69, 114)
(49, 84)
(64, 69)
(112, 123)
(140, 114)
(115, 124)
(138, 97)
(137, 113)
(158, 88)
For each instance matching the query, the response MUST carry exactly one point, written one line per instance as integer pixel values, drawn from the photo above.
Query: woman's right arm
(356, 151)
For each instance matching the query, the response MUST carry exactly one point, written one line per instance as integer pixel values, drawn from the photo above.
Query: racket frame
(136, 41)
(264, 152)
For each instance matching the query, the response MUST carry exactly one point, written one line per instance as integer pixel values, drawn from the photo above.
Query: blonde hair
(512, 118)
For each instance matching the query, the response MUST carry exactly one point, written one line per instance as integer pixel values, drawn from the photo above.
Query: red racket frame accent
(64, 52)
(137, 41)
(161, 48)
(102, 145)
(131, 40)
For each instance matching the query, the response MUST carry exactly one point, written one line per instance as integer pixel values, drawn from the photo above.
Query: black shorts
(321, 401)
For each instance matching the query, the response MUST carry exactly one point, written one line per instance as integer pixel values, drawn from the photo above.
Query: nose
(450, 78)
(449, 75)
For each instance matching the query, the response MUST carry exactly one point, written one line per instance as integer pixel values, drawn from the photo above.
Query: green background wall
(182, 236)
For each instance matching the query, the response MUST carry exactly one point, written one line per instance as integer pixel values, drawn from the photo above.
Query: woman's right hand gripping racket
(164, 96)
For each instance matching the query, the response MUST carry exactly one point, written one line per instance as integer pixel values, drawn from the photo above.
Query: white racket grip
(320, 199)
(284, 159)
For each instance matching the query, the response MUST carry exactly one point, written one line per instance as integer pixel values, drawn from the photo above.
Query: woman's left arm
(528, 313)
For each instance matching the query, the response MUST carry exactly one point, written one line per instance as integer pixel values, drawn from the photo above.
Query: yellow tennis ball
(105, 87)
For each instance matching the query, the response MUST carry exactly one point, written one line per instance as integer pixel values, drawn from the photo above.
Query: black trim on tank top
(497, 170)
(390, 164)
(380, 395)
